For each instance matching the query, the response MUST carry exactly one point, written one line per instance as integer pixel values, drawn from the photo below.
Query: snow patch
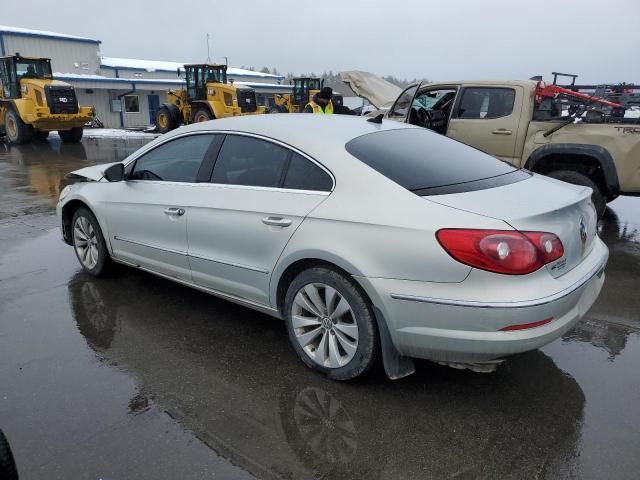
(44, 33)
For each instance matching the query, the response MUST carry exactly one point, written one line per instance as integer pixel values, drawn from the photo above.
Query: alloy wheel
(85, 242)
(324, 325)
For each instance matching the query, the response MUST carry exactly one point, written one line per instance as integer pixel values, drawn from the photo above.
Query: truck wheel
(164, 121)
(18, 132)
(40, 135)
(576, 178)
(202, 115)
(71, 136)
(277, 109)
(8, 470)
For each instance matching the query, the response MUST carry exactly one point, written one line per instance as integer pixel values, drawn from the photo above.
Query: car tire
(202, 115)
(8, 470)
(577, 178)
(17, 131)
(164, 120)
(340, 339)
(71, 136)
(88, 243)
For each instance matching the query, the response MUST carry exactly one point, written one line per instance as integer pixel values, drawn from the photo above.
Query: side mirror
(115, 173)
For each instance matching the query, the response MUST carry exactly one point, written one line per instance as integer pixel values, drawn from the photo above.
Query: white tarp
(380, 93)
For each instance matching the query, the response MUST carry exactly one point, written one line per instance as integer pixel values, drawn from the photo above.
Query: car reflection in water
(229, 375)
(615, 316)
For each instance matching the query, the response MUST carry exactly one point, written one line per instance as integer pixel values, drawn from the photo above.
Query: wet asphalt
(135, 377)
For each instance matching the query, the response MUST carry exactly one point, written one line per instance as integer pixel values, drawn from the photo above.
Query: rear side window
(176, 161)
(483, 102)
(305, 175)
(250, 161)
(427, 163)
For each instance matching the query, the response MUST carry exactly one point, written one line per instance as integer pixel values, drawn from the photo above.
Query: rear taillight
(501, 251)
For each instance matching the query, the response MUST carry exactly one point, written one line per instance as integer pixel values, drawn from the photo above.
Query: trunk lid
(537, 204)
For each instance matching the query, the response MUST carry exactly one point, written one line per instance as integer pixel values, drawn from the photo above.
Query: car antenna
(377, 119)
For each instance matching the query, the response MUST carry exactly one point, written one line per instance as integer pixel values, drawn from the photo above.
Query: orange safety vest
(328, 109)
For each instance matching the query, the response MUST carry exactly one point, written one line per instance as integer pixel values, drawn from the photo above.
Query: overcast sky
(492, 39)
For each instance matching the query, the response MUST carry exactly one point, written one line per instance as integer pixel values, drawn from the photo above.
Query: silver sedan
(370, 240)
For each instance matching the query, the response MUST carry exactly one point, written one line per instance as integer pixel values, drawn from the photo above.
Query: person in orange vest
(321, 102)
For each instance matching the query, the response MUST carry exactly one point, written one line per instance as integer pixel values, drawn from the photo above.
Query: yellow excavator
(207, 96)
(304, 88)
(32, 103)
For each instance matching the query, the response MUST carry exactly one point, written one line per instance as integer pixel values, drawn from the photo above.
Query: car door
(488, 118)
(400, 110)
(260, 192)
(147, 214)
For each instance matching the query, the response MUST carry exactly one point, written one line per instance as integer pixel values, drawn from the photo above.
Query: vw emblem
(583, 231)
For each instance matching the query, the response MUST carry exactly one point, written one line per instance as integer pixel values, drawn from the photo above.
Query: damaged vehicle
(580, 134)
(384, 240)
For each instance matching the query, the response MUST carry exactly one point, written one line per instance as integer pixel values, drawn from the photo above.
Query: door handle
(276, 221)
(174, 211)
(501, 131)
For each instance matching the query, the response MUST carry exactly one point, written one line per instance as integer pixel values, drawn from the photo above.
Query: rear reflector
(526, 326)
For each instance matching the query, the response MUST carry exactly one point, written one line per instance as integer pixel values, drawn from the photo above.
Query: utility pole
(208, 51)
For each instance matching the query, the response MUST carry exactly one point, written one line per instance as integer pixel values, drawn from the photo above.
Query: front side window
(176, 161)
(131, 104)
(403, 103)
(250, 161)
(486, 103)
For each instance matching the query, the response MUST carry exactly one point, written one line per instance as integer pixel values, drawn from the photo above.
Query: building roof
(164, 66)
(79, 77)
(28, 32)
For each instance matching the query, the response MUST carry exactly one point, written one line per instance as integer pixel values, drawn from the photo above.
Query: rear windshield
(431, 164)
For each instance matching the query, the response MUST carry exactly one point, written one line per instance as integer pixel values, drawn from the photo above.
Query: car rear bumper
(426, 323)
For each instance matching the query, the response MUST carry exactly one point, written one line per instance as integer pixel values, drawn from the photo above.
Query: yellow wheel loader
(304, 88)
(207, 96)
(32, 104)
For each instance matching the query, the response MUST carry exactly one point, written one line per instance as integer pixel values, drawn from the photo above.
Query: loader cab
(302, 87)
(15, 68)
(198, 76)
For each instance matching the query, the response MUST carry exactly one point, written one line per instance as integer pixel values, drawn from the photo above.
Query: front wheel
(277, 109)
(576, 178)
(164, 120)
(89, 244)
(331, 324)
(18, 132)
(71, 136)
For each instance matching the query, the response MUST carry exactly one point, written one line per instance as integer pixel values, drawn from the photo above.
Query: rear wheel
(164, 121)
(88, 243)
(577, 178)
(202, 115)
(18, 132)
(331, 324)
(277, 109)
(71, 136)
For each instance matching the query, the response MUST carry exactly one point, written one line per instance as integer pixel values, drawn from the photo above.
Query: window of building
(175, 161)
(250, 161)
(483, 102)
(131, 104)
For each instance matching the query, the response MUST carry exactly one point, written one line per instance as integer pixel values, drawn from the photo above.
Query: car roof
(316, 135)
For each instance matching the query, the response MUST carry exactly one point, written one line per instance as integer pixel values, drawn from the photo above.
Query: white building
(125, 92)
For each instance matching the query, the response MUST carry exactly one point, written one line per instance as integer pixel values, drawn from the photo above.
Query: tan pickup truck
(505, 120)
